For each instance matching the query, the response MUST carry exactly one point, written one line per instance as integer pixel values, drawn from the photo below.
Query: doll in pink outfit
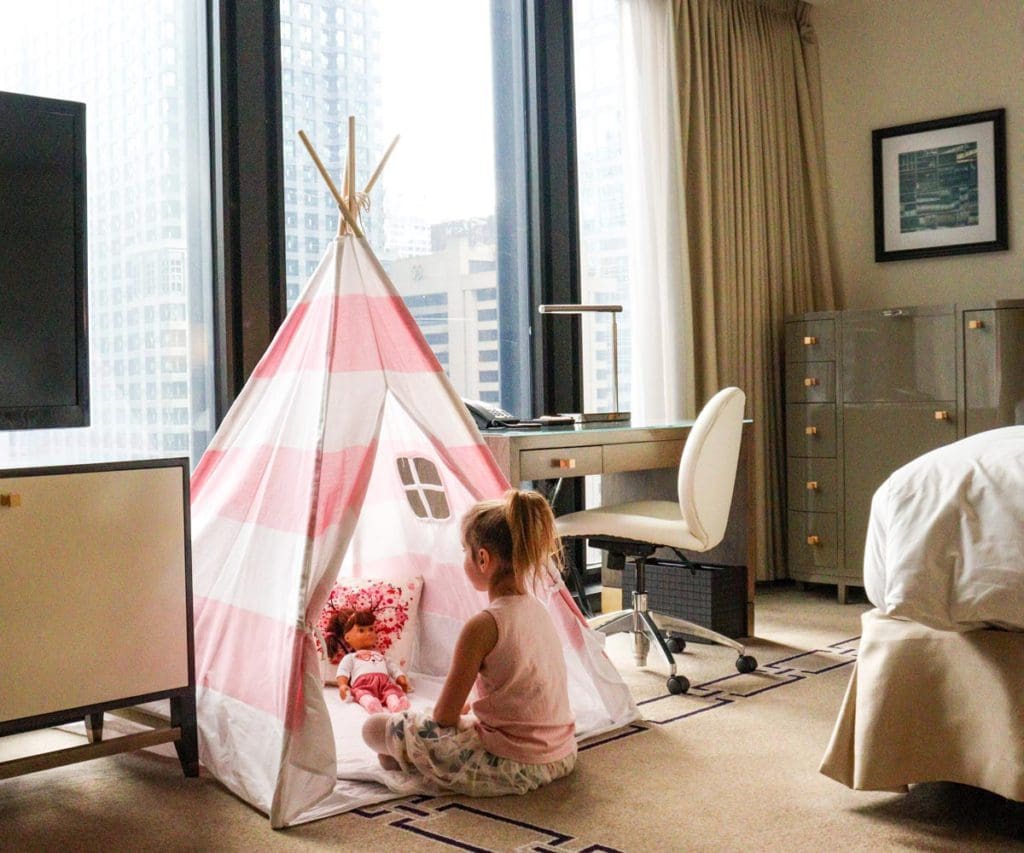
(375, 682)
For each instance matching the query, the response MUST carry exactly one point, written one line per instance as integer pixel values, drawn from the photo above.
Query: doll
(374, 681)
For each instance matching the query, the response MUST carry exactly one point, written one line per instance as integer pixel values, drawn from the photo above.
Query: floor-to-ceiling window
(603, 222)
(438, 215)
(139, 67)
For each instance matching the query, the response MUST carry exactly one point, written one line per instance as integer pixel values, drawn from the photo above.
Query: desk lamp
(615, 414)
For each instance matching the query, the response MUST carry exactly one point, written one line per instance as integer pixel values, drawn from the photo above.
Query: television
(44, 351)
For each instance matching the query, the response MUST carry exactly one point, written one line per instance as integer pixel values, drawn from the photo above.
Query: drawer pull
(975, 324)
(812, 430)
(810, 341)
(942, 416)
(813, 540)
(812, 485)
(810, 382)
(892, 312)
(11, 500)
(566, 463)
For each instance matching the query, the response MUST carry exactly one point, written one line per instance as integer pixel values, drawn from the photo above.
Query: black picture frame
(940, 187)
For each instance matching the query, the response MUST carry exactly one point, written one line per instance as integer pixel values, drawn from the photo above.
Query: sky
(437, 86)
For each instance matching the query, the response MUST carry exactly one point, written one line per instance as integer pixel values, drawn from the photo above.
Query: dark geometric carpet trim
(619, 734)
(721, 692)
(431, 817)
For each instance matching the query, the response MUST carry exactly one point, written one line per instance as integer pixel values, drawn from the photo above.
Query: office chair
(696, 522)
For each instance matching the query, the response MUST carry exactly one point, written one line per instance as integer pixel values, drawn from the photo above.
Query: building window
(432, 215)
(147, 223)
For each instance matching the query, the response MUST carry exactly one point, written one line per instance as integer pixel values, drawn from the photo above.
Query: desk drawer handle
(810, 341)
(942, 416)
(812, 485)
(975, 324)
(11, 500)
(810, 430)
(810, 382)
(566, 463)
(813, 540)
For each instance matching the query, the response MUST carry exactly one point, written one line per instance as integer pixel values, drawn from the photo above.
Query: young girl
(521, 734)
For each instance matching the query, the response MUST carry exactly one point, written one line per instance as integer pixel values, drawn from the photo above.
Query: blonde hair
(518, 530)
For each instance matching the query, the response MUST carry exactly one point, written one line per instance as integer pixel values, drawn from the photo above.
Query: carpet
(730, 766)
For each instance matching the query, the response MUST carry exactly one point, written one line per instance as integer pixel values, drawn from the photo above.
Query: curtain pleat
(753, 172)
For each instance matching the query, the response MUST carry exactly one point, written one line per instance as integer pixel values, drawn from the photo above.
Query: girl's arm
(478, 637)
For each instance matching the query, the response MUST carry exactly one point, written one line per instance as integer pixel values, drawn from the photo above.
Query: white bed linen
(945, 540)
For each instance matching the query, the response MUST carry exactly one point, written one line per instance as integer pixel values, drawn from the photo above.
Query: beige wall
(893, 62)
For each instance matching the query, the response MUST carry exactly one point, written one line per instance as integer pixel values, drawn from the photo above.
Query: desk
(612, 450)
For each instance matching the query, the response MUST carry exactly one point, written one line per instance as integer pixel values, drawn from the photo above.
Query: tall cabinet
(866, 392)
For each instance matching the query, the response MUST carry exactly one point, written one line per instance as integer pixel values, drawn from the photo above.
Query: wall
(886, 63)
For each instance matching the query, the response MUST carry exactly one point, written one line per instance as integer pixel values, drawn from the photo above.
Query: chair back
(707, 471)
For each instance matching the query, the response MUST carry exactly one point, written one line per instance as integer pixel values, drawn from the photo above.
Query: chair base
(647, 626)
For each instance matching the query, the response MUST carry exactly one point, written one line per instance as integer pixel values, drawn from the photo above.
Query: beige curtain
(754, 176)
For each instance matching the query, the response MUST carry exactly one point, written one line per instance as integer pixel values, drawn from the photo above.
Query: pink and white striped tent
(300, 486)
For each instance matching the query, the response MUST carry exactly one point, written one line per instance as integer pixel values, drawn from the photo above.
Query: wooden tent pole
(380, 166)
(346, 214)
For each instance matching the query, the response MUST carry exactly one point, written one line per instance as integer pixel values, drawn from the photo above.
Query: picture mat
(892, 147)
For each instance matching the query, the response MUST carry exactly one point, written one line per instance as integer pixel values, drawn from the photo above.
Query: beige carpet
(731, 766)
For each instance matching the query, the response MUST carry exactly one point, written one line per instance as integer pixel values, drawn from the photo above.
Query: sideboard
(866, 391)
(96, 605)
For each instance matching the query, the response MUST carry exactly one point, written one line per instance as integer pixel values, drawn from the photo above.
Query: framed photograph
(940, 187)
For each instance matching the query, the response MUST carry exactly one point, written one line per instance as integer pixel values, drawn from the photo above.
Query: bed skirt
(928, 706)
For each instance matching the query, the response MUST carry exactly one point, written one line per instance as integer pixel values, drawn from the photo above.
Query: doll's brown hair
(519, 530)
(364, 618)
(340, 624)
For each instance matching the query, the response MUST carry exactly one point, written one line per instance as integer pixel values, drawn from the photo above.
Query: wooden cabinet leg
(94, 727)
(183, 714)
(841, 592)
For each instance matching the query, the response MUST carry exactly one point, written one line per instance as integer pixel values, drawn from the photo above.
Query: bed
(937, 693)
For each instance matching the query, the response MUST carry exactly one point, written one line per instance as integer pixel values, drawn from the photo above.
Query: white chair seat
(657, 522)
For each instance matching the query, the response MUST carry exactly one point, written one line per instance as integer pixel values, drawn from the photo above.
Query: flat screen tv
(44, 351)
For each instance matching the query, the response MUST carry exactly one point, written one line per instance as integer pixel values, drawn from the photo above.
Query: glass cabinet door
(993, 369)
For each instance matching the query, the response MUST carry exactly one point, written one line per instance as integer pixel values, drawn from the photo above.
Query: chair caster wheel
(675, 644)
(678, 684)
(745, 663)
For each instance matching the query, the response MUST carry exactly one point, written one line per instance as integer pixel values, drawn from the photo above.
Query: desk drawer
(642, 456)
(559, 462)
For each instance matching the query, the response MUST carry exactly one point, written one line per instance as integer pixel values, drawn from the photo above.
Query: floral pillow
(394, 604)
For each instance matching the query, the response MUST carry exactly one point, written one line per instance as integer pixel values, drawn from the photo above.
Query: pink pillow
(394, 604)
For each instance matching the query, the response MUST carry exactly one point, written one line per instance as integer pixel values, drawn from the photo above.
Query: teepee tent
(301, 485)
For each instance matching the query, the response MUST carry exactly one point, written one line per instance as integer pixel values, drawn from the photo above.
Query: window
(411, 68)
(604, 246)
(423, 488)
(148, 266)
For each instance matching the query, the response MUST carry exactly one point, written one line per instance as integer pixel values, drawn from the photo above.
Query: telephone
(489, 416)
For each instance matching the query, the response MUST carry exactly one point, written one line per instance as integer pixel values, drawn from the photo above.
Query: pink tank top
(523, 711)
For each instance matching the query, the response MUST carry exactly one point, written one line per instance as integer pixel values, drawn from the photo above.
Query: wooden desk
(612, 450)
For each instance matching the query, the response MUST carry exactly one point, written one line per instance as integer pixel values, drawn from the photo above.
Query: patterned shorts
(453, 760)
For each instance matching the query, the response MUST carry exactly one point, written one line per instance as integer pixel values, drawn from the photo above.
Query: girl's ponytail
(534, 538)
